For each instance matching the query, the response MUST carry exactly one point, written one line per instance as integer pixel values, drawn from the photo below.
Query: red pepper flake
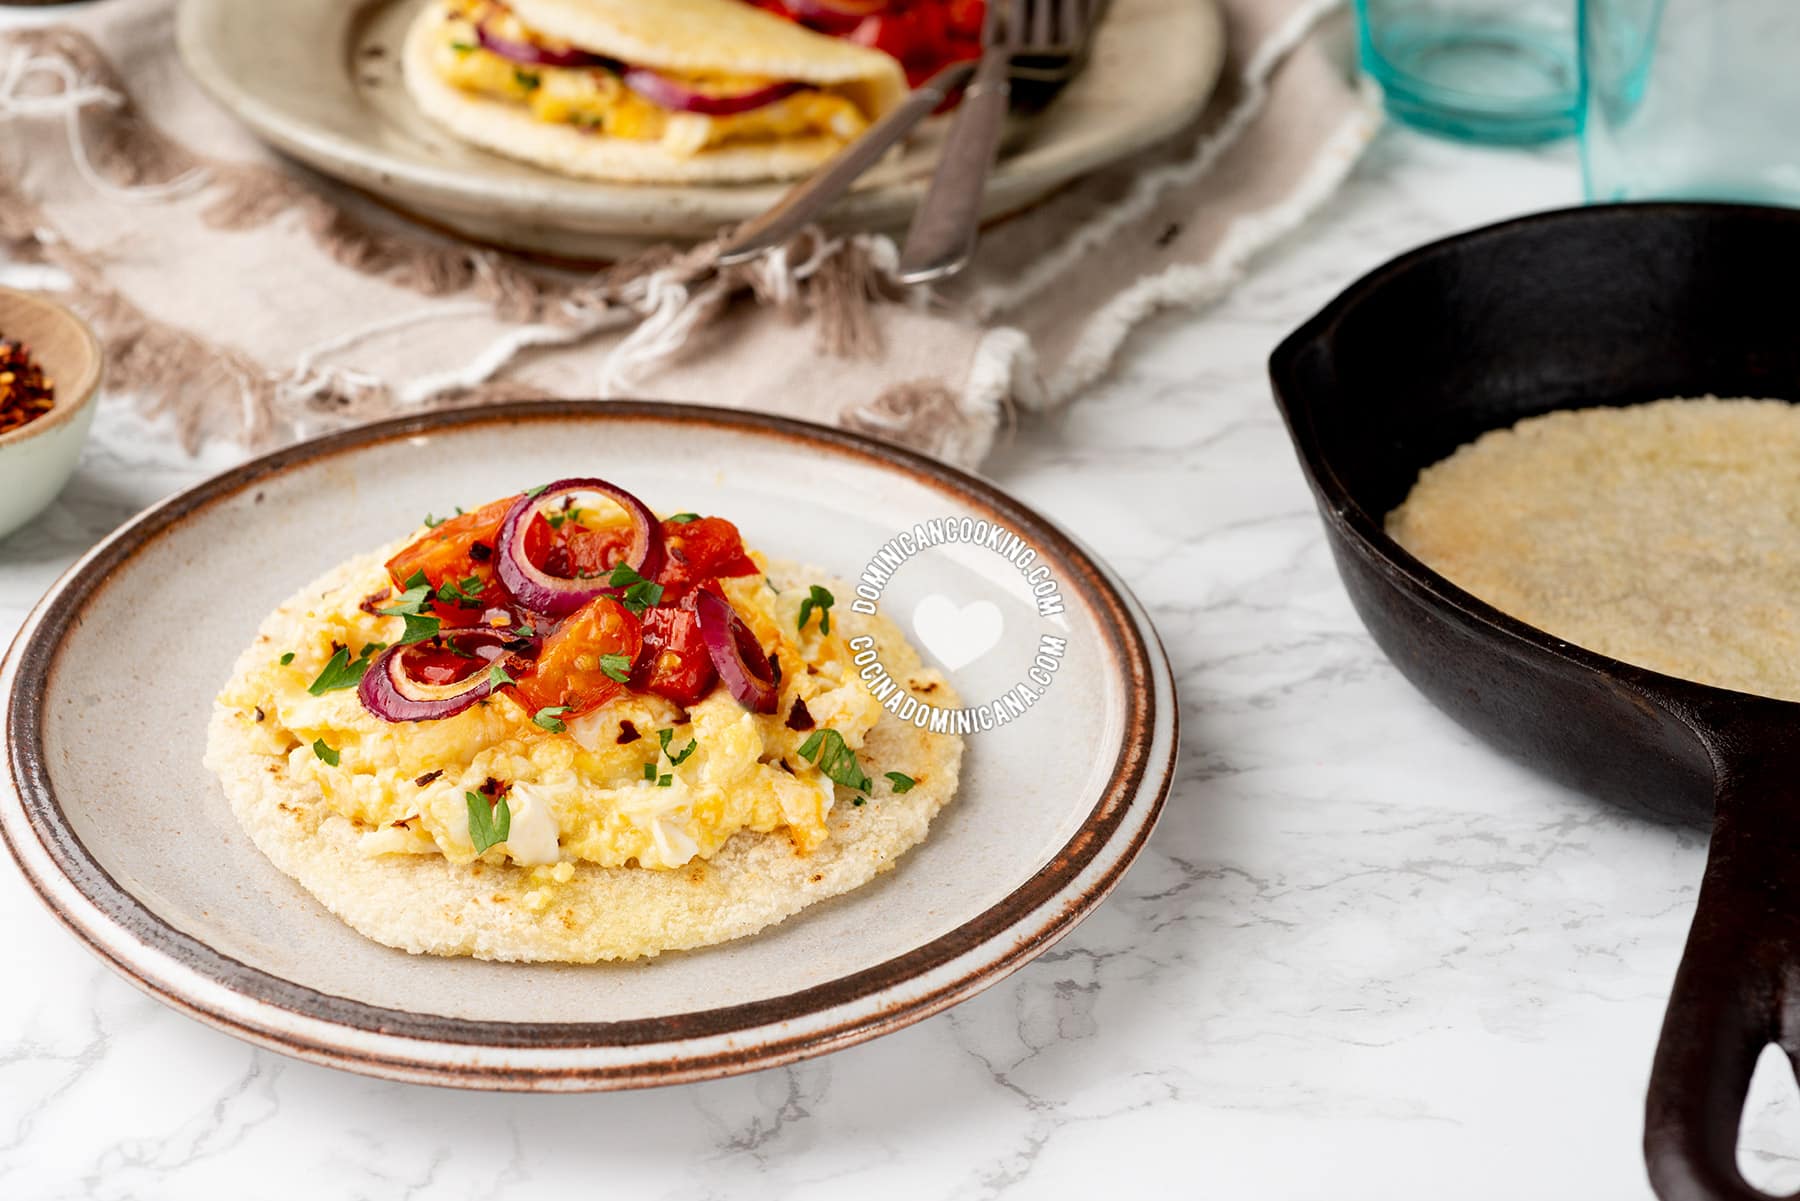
(494, 789)
(371, 603)
(26, 393)
(428, 777)
(628, 733)
(481, 552)
(799, 718)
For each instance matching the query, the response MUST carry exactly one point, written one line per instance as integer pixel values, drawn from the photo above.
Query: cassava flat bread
(425, 904)
(872, 79)
(1661, 534)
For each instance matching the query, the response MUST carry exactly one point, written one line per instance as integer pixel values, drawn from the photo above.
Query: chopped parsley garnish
(326, 752)
(901, 781)
(432, 523)
(685, 518)
(525, 631)
(665, 736)
(498, 677)
(463, 47)
(466, 592)
(649, 771)
(537, 491)
(616, 667)
(528, 80)
(664, 781)
(488, 824)
(342, 671)
(287, 658)
(550, 717)
(639, 594)
(557, 518)
(415, 600)
(413, 605)
(822, 600)
(419, 628)
(833, 755)
(642, 596)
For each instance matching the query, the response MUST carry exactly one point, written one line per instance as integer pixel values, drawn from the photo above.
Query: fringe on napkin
(649, 309)
(664, 295)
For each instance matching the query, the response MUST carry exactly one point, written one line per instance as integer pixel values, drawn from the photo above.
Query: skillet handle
(1738, 988)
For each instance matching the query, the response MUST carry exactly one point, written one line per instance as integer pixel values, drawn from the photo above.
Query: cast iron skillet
(1600, 306)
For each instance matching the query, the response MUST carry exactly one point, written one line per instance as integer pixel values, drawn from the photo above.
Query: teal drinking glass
(1690, 99)
(1483, 70)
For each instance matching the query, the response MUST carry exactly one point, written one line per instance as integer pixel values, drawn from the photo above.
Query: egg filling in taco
(675, 90)
(560, 728)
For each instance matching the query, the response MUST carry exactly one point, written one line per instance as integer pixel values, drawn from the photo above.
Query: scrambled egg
(594, 98)
(593, 793)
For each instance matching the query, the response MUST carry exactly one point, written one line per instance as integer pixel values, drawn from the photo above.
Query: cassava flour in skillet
(1664, 534)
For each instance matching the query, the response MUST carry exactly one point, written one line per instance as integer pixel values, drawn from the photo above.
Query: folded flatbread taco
(670, 91)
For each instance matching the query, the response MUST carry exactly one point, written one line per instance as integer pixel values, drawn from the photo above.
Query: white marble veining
(1363, 956)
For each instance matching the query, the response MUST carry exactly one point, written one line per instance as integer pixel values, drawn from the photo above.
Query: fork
(813, 195)
(942, 237)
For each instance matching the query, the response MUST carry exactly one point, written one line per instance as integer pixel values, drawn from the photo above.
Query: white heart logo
(957, 637)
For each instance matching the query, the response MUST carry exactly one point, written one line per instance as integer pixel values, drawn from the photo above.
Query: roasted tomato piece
(924, 36)
(890, 33)
(963, 19)
(456, 551)
(674, 663)
(572, 551)
(572, 665)
(701, 550)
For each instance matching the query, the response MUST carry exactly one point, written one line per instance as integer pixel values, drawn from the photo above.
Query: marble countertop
(1363, 956)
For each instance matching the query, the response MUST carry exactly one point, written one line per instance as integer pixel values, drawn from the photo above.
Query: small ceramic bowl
(37, 459)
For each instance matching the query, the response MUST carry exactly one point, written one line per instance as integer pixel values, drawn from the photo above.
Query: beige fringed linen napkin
(246, 298)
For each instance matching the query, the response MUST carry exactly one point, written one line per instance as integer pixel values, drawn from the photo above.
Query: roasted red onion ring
(653, 86)
(734, 650)
(531, 54)
(834, 15)
(534, 588)
(390, 693)
(678, 97)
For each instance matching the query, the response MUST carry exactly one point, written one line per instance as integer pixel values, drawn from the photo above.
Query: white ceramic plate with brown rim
(131, 843)
(319, 80)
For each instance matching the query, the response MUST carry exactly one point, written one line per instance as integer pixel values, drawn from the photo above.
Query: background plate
(320, 80)
(130, 841)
